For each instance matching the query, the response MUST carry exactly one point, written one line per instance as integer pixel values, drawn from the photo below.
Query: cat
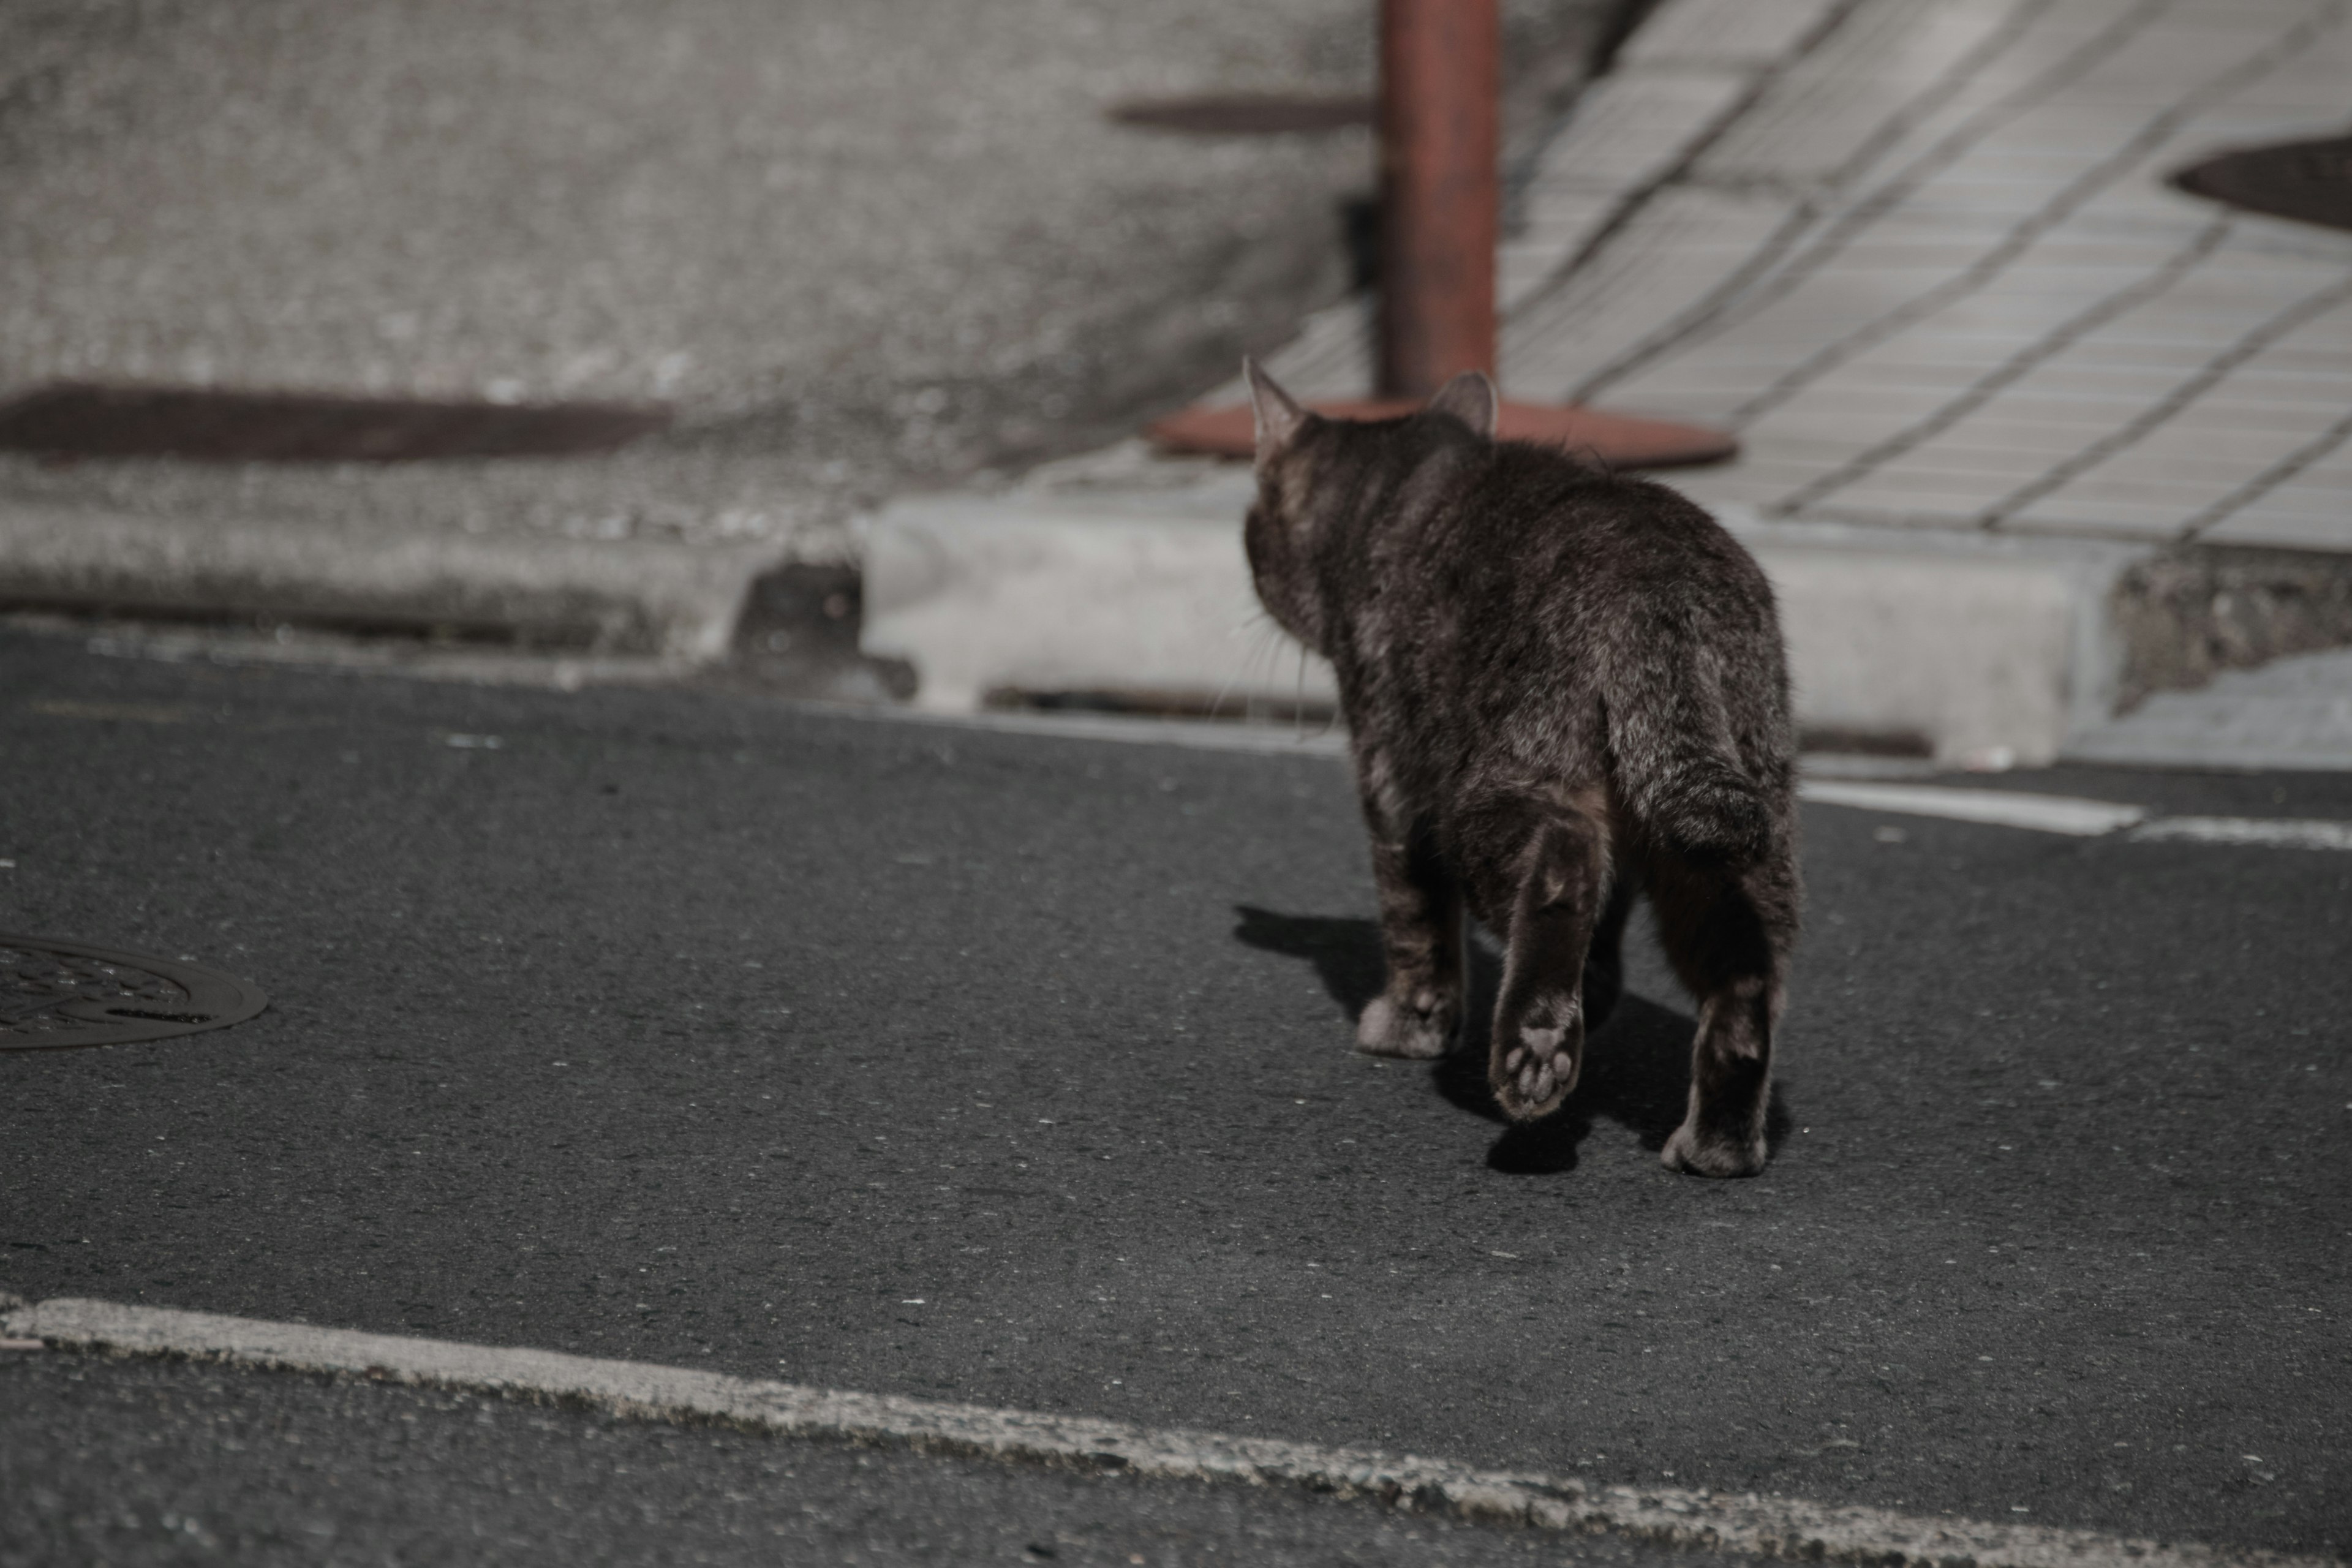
(1560, 684)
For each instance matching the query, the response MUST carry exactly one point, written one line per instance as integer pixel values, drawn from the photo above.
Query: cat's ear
(1277, 412)
(1469, 397)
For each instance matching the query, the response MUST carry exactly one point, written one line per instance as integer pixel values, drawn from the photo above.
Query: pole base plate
(1613, 440)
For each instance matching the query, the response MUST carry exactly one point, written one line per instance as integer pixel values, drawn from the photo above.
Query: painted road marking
(2000, 808)
(2084, 819)
(1772, 1527)
(2274, 832)
(2071, 815)
(1317, 740)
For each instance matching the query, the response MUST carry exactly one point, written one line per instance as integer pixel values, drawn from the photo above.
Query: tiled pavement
(1984, 361)
(1921, 255)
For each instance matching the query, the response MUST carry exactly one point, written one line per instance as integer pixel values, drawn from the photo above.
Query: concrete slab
(1733, 34)
(2292, 713)
(604, 596)
(1978, 648)
(1044, 596)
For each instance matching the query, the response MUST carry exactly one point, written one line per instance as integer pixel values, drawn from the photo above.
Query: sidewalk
(1959, 294)
(2000, 390)
(860, 250)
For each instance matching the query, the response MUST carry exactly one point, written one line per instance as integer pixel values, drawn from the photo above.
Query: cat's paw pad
(1423, 1033)
(1699, 1153)
(1536, 1074)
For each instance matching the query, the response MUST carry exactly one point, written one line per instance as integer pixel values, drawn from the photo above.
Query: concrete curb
(2293, 712)
(626, 596)
(1981, 647)
(1774, 1527)
(1125, 593)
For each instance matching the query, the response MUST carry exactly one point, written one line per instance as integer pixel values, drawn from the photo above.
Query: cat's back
(1529, 539)
(1527, 576)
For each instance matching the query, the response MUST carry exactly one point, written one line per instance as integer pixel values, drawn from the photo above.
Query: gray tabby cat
(1561, 685)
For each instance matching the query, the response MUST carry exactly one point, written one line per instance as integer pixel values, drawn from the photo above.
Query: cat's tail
(1673, 757)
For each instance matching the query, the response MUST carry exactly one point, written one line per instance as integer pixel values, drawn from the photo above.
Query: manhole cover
(1245, 113)
(55, 996)
(2310, 181)
(79, 420)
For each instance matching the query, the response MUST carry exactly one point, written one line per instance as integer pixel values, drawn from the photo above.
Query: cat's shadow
(1636, 1066)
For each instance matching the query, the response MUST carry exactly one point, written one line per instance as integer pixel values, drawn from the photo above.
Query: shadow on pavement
(1636, 1065)
(1345, 953)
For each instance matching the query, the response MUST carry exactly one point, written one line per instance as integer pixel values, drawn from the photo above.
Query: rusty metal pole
(1441, 84)
(1440, 90)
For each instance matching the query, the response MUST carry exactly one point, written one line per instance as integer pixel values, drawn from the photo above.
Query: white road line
(1766, 1526)
(2083, 818)
(2001, 807)
(1316, 740)
(1996, 808)
(2276, 833)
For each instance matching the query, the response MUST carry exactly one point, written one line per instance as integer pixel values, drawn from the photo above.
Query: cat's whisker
(1267, 669)
(1330, 719)
(1299, 698)
(1217, 705)
(1261, 645)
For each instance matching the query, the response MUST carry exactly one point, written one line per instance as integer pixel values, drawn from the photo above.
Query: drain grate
(1148, 703)
(77, 419)
(2309, 180)
(56, 995)
(1245, 113)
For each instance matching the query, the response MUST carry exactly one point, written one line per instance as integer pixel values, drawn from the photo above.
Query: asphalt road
(700, 1029)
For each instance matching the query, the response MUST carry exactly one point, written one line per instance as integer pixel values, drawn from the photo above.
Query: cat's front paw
(1534, 1067)
(1421, 1027)
(1703, 1153)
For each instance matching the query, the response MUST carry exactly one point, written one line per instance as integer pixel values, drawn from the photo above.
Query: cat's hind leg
(1557, 890)
(1727, 929)
(1605, 961)
(1420, 1011)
